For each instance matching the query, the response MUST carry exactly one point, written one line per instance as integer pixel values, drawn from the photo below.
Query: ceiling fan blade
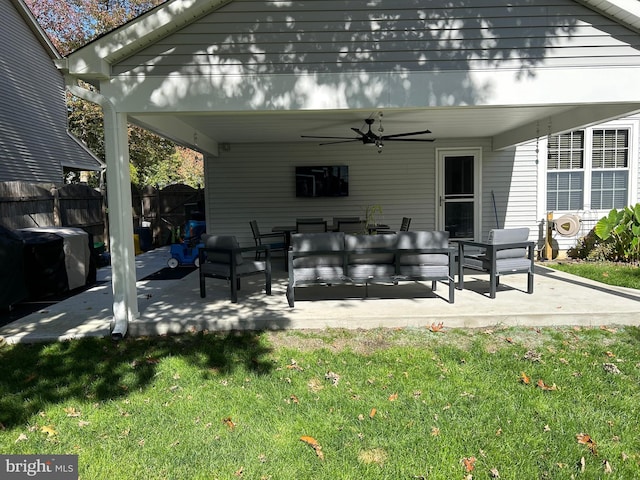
(358, 131)
(340, 138)
(409, 139)
(341, 141)
(385, 137)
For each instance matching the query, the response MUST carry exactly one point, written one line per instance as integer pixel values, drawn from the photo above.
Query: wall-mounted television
(327, 181)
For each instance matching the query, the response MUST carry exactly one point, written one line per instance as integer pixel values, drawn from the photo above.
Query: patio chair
(311, 225)
(352, 226)
(221, 257)
(507, 251)
(275, 240)
(404, 226)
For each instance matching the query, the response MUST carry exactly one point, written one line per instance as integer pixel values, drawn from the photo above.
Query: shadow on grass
(33, 376)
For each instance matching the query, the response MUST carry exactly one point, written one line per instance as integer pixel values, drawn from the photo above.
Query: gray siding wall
(267, 37)
(256, 181)
(34, 143)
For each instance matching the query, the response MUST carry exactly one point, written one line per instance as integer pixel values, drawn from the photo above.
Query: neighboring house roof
(35, 144)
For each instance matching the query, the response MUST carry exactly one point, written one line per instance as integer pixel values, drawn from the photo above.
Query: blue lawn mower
(186, 252)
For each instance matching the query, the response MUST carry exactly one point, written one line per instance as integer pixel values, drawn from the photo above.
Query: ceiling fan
(371, 138)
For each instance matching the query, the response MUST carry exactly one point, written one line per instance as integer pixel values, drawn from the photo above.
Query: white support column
(123, 283)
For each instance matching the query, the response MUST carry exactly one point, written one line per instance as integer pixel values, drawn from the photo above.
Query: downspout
(125, 305)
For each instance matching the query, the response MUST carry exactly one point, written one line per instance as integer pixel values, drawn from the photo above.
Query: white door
(459, 193)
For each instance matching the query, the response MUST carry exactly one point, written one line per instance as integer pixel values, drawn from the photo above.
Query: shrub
(622, 228)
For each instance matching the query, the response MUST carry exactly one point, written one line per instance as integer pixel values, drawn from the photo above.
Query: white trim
(476, 152)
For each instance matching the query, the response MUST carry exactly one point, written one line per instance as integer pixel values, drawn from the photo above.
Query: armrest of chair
(202, 252)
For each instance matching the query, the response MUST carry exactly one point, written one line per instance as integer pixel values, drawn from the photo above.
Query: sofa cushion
(422, 240)
(509, 235)
(380, 271)
(355, 242)
(223, 242)
(318, 242)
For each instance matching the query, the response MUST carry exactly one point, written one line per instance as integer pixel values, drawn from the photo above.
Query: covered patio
(175, 306)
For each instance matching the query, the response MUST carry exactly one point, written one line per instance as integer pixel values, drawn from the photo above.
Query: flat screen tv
(328, 181)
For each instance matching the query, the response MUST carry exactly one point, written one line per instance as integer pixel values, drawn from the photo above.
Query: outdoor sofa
(337, 258)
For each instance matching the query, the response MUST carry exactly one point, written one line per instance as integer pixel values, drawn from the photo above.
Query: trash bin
(44, 264)
(12, 285)
(145, 238)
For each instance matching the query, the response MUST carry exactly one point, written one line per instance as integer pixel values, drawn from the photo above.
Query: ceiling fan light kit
(374, 139)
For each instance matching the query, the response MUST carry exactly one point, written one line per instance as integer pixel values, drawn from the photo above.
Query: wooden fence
(24, 205)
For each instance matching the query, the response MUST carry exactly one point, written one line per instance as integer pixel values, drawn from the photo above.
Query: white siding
(34, 143)
(274, 37)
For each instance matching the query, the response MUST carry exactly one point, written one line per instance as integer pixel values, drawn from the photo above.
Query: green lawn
(336, 404)
(621, 275)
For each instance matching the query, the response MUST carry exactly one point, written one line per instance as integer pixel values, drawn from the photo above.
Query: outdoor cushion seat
(437, 266)
(507, 251)
(221, 257)
(371, 265)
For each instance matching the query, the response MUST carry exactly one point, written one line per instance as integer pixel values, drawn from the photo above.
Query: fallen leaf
(524, 378)
(582, 464)
(72, 412)
(508, 339)
(49, 430)
(611, 368)
(294, 399)
(436, 327)
(333, 377)
(469, 463)
(393, 397)
(372, 413)
(313, 443)
(610, 330)
(21, 438)
(585, 439)
(607, 467)
(494, 473)
(83, 423)
(239, 472)
(546, 387)
(229, 423)
(435, 431)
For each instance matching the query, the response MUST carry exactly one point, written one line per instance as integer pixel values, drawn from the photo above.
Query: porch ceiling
(507, 126)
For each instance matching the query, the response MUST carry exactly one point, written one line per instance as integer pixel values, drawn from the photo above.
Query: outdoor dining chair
(352, 226)
(221, 257)
(311, 226)
(275, 240)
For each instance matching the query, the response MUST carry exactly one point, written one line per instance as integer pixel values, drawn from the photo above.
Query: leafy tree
(71, 24)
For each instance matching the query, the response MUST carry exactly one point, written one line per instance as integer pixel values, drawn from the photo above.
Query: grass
(621, 275)
(376, 404)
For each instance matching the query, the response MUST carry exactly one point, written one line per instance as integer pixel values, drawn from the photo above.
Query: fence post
(57, 221)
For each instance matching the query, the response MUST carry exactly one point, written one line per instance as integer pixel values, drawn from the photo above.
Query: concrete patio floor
(174, 306)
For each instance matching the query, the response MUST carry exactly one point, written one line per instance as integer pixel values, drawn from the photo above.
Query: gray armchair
(507, 251)
(221, 257)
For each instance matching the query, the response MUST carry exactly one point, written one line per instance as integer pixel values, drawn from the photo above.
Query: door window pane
(458, 219)
(458, 175)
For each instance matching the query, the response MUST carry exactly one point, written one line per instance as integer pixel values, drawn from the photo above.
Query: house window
(610, 164)
(565, 171)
